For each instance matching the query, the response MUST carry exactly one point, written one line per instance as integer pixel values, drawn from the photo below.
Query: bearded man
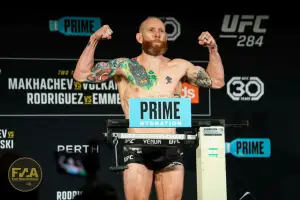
(149, 75)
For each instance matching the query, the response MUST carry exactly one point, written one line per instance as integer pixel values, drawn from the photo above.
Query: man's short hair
(143, 22)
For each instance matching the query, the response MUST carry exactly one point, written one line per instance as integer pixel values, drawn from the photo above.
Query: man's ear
(166, 37)
(139, 38)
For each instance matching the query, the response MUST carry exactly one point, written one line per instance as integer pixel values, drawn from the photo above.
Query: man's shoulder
(180, 62)
(122, 59)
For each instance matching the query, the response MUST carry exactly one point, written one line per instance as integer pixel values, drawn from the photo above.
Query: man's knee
(169, 182)
(174, 196)
(137, 182)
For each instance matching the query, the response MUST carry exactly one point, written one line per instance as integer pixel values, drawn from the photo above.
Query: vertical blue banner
(160, 112)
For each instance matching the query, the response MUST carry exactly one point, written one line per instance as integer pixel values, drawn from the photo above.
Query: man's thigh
(137, 182)
(169, 183)
(137, 178)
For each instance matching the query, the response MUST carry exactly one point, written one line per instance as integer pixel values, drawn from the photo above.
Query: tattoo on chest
(169, 80)
(137, 75)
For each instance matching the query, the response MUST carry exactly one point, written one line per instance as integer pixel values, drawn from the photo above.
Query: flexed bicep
(197, 76)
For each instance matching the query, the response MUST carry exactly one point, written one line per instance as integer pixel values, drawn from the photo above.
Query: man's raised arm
(86, 70)
(213, 76)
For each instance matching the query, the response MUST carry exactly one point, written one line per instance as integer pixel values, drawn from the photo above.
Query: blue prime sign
(75, 26)
(160, 112)
(249, 147)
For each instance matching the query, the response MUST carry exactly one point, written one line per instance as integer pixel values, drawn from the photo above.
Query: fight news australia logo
(25, 174)
(247, 30)
(245, 88)
(75, 26)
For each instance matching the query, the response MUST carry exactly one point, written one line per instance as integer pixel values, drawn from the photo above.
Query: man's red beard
(155, 48)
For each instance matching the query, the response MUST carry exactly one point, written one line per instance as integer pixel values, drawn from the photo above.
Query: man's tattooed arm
(212, 77)
(86, 61)
(103, 71)
(215, 68)
(87, 71)
(197, 76)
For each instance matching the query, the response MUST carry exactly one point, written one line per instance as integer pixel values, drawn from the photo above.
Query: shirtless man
(151, 75)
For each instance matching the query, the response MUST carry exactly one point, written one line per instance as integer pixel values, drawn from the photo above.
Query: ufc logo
(240, 22)
(130, 141)
(174, 142)
(130, 157)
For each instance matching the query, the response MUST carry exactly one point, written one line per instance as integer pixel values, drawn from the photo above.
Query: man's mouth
(157, 42)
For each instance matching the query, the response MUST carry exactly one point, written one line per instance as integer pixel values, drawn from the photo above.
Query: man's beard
(155, 49)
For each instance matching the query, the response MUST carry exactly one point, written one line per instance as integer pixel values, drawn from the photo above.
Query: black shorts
(154, 158)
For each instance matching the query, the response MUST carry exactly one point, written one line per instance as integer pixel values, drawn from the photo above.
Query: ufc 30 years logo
(245, 88)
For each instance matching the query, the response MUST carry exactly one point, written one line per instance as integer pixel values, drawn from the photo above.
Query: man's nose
(157, 34)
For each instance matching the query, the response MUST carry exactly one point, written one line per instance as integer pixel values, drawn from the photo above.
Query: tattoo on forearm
(203, 79)
(90, 43)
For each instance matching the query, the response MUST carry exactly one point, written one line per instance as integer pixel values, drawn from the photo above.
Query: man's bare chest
(157, 77)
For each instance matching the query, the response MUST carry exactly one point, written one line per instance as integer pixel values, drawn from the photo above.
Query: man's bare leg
(169, 183)
(137, 182)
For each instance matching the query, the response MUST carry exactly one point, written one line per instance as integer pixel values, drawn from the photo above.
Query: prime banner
(45, 87)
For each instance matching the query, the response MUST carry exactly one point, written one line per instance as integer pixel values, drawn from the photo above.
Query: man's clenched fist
(103, 33)
(207, 40)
